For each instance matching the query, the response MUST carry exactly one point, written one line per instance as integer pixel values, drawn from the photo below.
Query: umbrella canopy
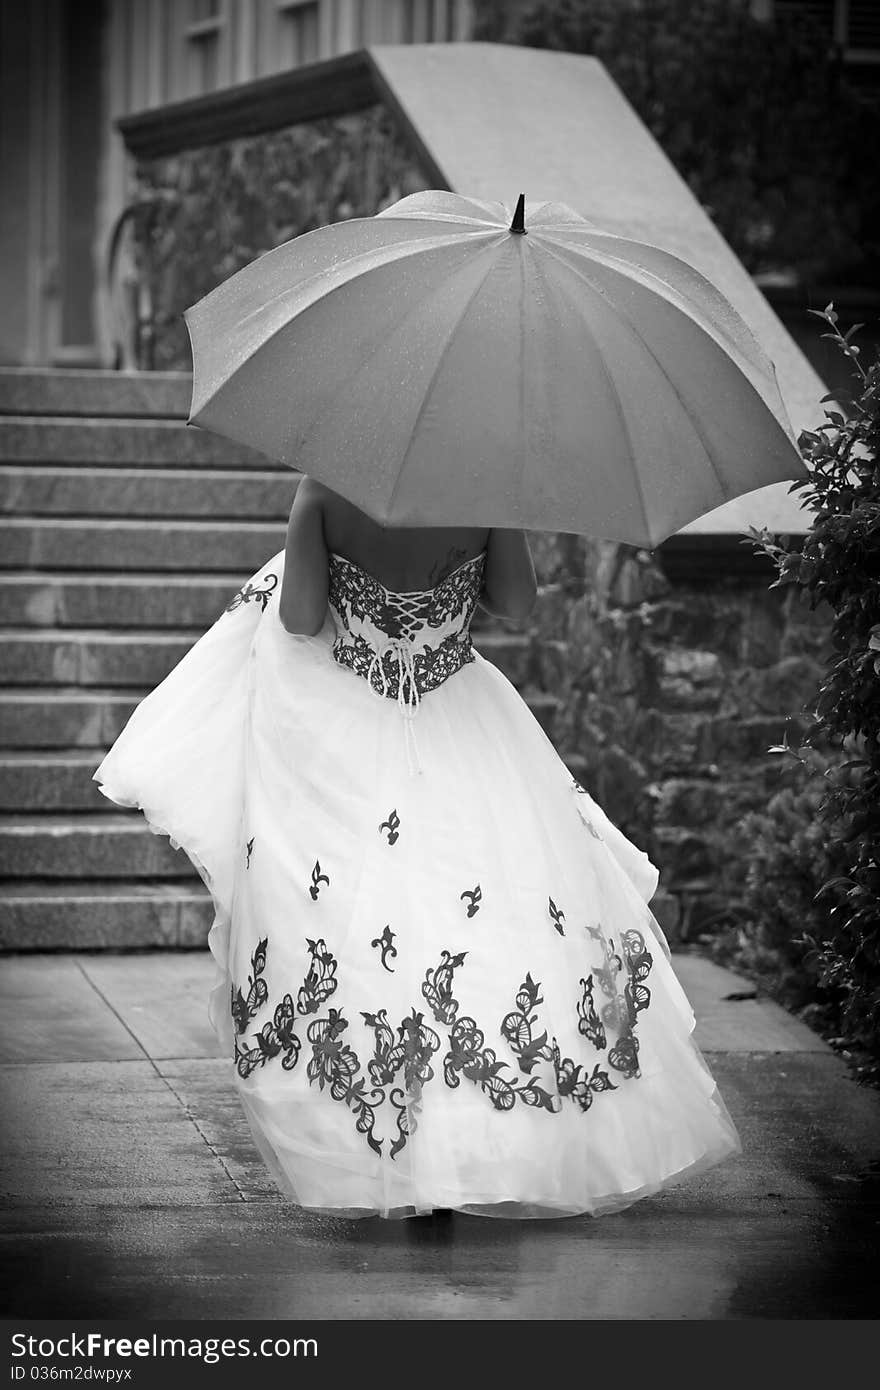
(445, 364)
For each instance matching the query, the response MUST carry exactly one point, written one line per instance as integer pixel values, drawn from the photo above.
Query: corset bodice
(404, 643)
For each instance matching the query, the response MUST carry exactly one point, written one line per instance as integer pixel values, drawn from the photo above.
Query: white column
(420, 21)
(244, 66)
(326, 28)
(463, 21)
(152, 55)
(346, 26)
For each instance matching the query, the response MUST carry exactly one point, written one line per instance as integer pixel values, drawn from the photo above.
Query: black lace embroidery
(245, 1007)
(570, 1080)
(468, 1055)
(573, 1083)
(437, 987)
(356, 595)
(606, 974)
(432, 665)
(320, 982)
(250, 592)
(317, 879)
(412, 1052)
(278, 1038)
(557, 915)
(589, 1022)
(335, 1064)
(624, 1056)
(402, 1061)
(576, 786)
(275, 1039)
(474, 897)
(385, 945)
(392, 825)
(623, 1007)
(518, 1028)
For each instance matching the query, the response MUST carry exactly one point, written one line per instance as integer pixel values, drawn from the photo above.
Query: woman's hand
(509, 584)
(302, 606)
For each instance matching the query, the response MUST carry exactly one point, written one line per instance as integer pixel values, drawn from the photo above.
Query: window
(853, 24)
(298, 34)
(204, 35)
(862, 38)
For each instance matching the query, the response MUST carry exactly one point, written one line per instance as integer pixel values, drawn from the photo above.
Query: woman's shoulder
(314, 493)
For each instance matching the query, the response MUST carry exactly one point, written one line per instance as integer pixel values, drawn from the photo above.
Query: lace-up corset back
(396, 639)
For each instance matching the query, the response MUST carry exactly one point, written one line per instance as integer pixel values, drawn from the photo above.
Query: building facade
(69, 69)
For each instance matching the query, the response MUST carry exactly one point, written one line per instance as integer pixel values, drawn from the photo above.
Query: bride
(439, 981)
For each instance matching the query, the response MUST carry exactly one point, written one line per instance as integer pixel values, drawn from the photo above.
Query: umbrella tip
(519, 217)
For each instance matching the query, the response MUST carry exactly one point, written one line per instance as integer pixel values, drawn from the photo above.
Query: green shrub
(789, 856)
(837, 564)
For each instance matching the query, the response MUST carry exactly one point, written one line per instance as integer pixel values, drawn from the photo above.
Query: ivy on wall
(207, 212)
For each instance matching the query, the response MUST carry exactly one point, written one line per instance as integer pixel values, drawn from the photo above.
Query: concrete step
(141, 600)
(51, 780)
(149, 443)
(33, 598)
(103, 914)
(509, 651)
(41, 718)
(81, 543)
(51, 718)
(90, 658)
(119, 845)
(53, 391)
(131, 492)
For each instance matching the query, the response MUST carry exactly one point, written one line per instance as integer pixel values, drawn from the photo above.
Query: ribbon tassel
(400, 649)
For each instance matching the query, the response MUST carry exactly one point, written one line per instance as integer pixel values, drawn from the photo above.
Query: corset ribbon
(400, 649)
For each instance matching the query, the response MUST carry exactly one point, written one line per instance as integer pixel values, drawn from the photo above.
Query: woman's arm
(303, 603)
(509, 584)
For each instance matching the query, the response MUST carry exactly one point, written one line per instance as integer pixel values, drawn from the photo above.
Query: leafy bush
(837, 563)
(789, 856)
(757, 118)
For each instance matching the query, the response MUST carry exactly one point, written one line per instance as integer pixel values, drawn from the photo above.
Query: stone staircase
(122, 537)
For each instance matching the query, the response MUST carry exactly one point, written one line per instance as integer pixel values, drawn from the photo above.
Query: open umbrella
(445, 364)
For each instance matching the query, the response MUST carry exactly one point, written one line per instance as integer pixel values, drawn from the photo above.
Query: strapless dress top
(404, 643)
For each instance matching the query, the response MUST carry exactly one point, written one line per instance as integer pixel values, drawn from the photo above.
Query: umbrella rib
(665, 287)
(617, 400)
(399, 252)
(354, 271)
(726, 494)
(433, 380)
(625, 318)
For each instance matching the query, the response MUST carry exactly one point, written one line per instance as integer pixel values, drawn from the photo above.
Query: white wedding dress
(438, 977)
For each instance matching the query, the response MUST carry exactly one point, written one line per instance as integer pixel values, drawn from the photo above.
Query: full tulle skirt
(438, 979)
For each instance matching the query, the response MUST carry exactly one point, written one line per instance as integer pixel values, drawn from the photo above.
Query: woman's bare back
(400, 557)
(403, 558)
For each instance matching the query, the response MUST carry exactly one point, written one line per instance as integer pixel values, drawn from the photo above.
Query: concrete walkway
(132, 1188)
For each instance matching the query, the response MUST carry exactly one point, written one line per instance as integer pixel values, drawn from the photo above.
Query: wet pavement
(132, 1188)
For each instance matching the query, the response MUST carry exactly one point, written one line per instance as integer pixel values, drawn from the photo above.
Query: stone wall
(207, 212)
(670, 695)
